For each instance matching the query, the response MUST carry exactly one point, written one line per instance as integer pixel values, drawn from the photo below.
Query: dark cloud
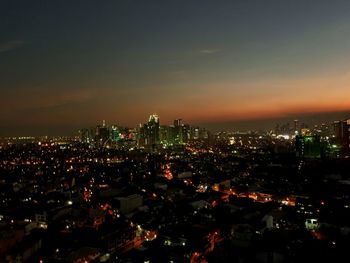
(10, 45)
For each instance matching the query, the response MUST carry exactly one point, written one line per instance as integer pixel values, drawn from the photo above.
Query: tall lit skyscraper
(152, 131)
(296, 126)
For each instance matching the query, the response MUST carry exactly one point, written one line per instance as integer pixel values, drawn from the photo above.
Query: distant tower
(178, 129)
(296, 126)
(85, 136)
(342, 134)
(152, 130)
(102, 133)
(178, 122)
(153, 118)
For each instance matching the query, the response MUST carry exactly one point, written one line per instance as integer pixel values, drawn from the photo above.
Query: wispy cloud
(209, 51)
(43, 100)
(47, 100)
(10, 45)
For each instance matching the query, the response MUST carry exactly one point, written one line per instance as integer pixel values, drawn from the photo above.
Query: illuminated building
(342, 135)
(102, 133)
(308, 146)
(186, 133)
(115, 134)
(178, 130)
(305, 132)
(170, 134)
(195, 133)
(296, 126)
(85, 136)
(203, 134)
(182, 132)
(152, 133)
(163, 133)
(153, 130)
(149, 133)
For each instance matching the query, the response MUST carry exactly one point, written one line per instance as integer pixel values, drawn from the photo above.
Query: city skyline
(239, 64)
(311, 120)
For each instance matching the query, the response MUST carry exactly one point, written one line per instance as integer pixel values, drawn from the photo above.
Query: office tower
(163, 134)
(178, 122)
(85, 136)
(203, 134)
(178, 130)
(141, 135)
(296, 126)
(342, 135)
(152, 131)
(336, 129)
(115, 133)
(195, 133)
(102, 133)
(171, 134)
(186, 133)
(132, 134)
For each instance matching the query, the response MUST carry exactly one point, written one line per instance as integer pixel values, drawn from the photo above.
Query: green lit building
(308, 146)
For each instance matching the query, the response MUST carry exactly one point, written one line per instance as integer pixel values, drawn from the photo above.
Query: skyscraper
(102, 134)
(152, 131)
(296, 126)
(342, 134)
(85, 136)
(178, 130)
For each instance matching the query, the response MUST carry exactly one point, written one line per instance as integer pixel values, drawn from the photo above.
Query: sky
(68, 64)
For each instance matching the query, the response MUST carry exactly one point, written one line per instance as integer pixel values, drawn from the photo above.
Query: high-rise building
(178, 131)
(115, 133)
(85, 136)
(152, 131)
(164, 134)
(296, 126)
(103, 133)
(336, 129)
(324, 130)
(141, 135)
(203, 134)
(308, 146)
(342, 135)
(178, 122)
(171, 134)
(195, 133)
(186, 131)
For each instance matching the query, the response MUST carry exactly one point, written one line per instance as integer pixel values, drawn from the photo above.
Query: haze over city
(70, 64)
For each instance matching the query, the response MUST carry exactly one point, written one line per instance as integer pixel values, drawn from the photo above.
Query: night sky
(70, 64)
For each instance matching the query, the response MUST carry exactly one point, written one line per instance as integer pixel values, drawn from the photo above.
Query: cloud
(47, 100)
(38, 106)
(10, 45)
(42, 100)
(209, 51)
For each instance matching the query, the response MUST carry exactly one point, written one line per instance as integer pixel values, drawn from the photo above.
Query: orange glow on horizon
(201, 103)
